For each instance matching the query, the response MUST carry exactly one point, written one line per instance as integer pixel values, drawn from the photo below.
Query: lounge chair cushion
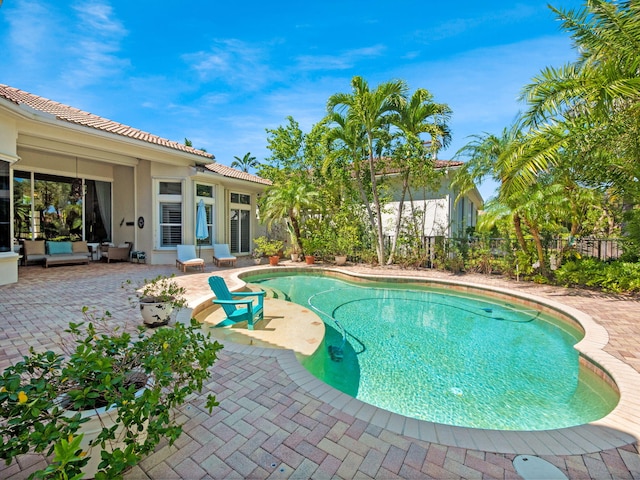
(186, 257)
(221, 254)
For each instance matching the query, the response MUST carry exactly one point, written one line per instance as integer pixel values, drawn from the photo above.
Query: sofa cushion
(57, 248)
(34, 247)
(80, 247)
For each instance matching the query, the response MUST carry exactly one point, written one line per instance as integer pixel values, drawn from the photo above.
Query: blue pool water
(449, 358)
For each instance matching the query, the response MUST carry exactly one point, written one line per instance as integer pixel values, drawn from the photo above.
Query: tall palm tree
(346, 154)
(370, 109)
(419, 115)
(245, 163)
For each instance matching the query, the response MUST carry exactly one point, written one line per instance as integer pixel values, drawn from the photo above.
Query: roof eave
(30, 114)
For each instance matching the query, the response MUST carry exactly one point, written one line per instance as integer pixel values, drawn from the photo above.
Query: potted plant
(257, 255)
(313, 245)
(123, 385)
(271, 248)
(294, 252)
(345, 239)
(158, 299)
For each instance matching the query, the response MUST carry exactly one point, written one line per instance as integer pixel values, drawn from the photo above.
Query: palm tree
(486, 154)
(345, 156)
(419, 115)
(245, 163)
(289, 201)
(593, 103)
(369, 110)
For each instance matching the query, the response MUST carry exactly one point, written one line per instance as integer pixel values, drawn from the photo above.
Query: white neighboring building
(443, 217)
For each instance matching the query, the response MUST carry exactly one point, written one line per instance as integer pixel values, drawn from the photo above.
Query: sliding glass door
(56, 207)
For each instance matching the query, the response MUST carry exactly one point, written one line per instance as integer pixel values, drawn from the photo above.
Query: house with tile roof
(67, 173)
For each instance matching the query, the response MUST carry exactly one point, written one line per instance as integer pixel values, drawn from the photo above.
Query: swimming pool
(457, 359)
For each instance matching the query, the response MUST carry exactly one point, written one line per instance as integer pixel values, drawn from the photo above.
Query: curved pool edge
(619, 428)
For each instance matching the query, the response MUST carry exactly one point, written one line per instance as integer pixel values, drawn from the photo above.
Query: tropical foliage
(245, 163)
(569, 164)
(567, 167)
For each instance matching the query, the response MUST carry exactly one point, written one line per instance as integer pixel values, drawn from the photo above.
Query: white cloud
(30, 24)
(492, 19)
(233, 62)
(95, 54)
(54, 53)
(342, 61)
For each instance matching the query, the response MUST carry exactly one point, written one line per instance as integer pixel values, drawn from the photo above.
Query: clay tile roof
(234, 173)
(86, 119)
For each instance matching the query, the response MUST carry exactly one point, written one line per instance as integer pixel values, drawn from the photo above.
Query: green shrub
(616, 276)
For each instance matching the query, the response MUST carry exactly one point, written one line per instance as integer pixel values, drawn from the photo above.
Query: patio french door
(240, 230)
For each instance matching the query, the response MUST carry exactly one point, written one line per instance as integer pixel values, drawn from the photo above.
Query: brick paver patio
(268, 425)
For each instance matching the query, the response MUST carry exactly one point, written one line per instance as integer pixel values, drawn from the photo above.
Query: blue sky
(219, 73)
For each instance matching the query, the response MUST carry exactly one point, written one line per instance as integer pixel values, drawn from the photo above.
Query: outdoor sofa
(55, 253)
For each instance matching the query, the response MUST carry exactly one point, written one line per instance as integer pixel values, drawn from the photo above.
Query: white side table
(96, 253)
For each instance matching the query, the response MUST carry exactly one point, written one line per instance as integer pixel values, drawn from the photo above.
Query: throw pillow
(59, 248)
(34, 247)
(80, 247)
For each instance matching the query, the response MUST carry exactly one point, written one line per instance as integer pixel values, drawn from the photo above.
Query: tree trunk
(517, 225)
(376, 206)
(365, 199)
(295, 225)
(538, 243)
(394, 244)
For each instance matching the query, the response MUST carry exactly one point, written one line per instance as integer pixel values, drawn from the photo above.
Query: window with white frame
(170, 213)
(206, 193)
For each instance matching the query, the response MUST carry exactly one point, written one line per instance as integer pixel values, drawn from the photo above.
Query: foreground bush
(616, 277)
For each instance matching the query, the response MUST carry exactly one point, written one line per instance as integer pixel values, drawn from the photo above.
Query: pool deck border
(620, 427)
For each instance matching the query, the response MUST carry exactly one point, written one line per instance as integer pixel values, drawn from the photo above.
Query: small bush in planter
(102, 371)
(158, 298)
(269, 247)
(162, 289)
(257, 255)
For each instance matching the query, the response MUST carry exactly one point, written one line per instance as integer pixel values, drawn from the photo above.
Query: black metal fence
(432, 246)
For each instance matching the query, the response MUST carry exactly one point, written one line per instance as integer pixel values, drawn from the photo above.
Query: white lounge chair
(221, 255)
(186, 257)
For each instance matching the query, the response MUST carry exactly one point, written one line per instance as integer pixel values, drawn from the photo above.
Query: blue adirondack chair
(237, 310)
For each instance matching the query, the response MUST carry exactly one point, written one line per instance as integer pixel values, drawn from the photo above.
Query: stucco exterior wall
(143, 237)
(436, 207)
(8, 153)
(8, 139)
(123, 201)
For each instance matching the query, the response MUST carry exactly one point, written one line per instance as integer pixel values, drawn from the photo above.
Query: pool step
(275, 293)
